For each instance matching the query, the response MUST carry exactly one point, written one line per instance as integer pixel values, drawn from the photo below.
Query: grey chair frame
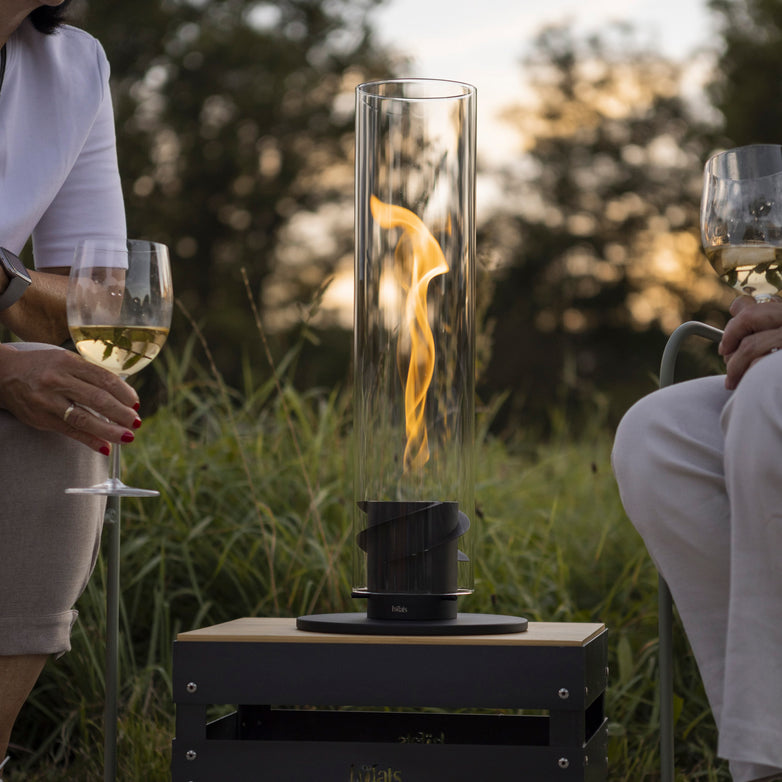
(664, 599)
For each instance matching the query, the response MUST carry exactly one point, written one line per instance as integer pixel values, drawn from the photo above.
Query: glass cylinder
(414, 346)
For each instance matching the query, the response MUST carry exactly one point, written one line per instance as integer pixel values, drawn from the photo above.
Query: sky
(482, 41)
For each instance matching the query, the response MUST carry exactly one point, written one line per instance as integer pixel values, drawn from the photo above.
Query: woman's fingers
(754, 331)
(752, 348)
(749, 318)
(93, 430)
(59, 391)
(101, 393)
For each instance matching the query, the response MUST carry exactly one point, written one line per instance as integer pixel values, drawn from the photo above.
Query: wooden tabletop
(263, 630)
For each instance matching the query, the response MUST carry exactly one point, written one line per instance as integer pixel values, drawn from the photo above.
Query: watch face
(13, 265)
(18, 279)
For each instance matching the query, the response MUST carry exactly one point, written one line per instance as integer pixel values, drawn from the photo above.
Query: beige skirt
(49, 540)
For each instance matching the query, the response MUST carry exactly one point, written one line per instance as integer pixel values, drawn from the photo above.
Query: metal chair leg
(664, 599)
(665, 624)
(112, 526)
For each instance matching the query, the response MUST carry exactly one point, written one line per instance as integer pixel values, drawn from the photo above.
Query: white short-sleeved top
(59, 179)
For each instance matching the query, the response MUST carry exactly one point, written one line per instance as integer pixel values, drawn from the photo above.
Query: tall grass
(254, 520)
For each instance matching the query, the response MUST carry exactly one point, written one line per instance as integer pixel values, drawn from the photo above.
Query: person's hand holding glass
(120, 302)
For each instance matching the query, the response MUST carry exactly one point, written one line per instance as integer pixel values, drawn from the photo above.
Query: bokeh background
(235, 128)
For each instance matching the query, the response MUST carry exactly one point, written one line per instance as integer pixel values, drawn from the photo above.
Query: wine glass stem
(114, 469)
(114, 460)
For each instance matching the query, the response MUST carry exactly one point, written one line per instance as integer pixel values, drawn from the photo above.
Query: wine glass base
(114, 488)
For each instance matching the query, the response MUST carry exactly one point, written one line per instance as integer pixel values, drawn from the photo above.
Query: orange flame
(417, 250)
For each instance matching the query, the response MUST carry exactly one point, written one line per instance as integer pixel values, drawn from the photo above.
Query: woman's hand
(753, 332)
(39, 386)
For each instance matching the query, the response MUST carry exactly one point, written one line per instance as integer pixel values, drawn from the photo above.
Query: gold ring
(68, 411)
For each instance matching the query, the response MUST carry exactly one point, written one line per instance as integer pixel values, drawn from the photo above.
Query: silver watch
(18, 278)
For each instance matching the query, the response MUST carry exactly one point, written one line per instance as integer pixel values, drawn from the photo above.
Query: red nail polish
(105, 450)
(127, 437)
(137, 423)
(137, 406)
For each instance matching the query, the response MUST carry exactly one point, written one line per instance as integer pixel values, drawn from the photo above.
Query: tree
(598, 252)
(232, 117)
(747, 84)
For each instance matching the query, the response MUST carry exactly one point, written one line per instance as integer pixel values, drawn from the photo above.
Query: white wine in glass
(741, 218)
(120, 302)
(122, 350)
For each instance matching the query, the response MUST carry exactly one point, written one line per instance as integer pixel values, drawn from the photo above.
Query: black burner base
(462, 624)
(409, 608)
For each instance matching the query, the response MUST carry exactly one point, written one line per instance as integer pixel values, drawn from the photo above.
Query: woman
(698, 468)
(59, 183)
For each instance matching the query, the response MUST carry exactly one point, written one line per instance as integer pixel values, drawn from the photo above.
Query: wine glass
(120, 301)
(741, 218)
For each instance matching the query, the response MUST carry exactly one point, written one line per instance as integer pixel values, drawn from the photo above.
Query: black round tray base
(464, 624)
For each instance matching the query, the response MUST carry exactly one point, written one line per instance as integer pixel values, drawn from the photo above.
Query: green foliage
(254, 520)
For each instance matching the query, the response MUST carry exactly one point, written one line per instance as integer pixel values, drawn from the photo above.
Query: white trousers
(699, 470)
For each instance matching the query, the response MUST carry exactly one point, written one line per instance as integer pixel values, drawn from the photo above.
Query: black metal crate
(262, 740)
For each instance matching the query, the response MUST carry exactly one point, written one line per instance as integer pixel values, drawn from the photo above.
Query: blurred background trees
(235, 120)
(235, 133)
(597, 253)
(746, 85)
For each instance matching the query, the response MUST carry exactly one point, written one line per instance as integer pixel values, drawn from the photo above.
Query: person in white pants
(699, 470)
